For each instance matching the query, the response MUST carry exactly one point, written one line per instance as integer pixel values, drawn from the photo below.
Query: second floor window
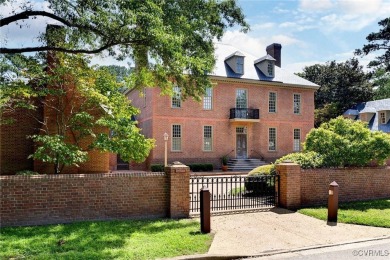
(176, 98)
(208, 99)
(297, 140)
(272, 102)
(271, 139)
(382, 118)
(176, 138)
(241, 98)
(207, 138)
(297, 103)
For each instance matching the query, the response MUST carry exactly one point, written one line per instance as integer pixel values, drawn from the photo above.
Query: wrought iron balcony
(244, 114)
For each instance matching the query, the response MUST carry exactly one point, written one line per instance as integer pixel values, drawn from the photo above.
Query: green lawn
(370, 213)
(138, 239)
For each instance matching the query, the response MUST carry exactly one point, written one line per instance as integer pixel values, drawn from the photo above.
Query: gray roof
(251, 71)
(351, 112)
(266, 57)
(237, 53)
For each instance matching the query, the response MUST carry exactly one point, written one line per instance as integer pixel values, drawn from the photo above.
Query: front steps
(244, 164)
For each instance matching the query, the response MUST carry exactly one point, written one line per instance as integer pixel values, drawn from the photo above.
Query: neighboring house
(375, 113)
(255, 110)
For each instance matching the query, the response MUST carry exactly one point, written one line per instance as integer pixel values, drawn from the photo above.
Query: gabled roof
(266, 57)
(250, 70)
(237, 53)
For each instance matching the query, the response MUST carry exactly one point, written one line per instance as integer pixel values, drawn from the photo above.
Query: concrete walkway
(278, 230)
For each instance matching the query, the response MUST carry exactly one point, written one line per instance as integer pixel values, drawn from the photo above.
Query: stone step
(244, 164)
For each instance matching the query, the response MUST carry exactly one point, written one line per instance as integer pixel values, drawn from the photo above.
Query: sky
(310, 31)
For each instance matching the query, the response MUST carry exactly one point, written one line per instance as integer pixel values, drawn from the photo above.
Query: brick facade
(157, 117)
(299, 187)
(50, 199)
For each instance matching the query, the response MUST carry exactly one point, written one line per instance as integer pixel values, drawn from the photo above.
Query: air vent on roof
(266, 65)
(236, 62)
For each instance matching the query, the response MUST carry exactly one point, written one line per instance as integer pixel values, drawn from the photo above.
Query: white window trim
(276, 139)
(180, 100)
(300, 138)
(247, 95)
(300, 103)
(181, 138)
(276, 101)
(212, 100)
(212, 139)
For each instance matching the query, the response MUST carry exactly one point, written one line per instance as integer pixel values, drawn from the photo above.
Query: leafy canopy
(164, 38)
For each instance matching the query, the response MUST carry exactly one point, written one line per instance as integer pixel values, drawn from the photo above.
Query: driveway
(279, 230)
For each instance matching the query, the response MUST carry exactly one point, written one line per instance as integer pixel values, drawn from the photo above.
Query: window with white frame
(208, 99)
(297, 103)
(271, 139)
(176, 137)
(297, 140)
(176, 98)
(240, 65)
(382, 118)
(241, 98)
(207, 138)
(272, 102)
(270, 68)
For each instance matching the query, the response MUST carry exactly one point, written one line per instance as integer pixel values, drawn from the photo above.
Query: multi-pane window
(272, 102)
(240, 65)
(272, 139)
(297, 103)
(208, 99)
(176, 98)
(176, 137)
(207, 138)
(297, 140)
(241, 98)
(270, 68)
(382, 117)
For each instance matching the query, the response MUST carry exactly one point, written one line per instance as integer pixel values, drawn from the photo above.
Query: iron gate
(235, 192)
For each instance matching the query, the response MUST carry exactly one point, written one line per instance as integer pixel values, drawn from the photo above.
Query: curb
(270, 253)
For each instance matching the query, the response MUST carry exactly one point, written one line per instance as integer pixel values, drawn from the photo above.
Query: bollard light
(205, 216)
(333, 202)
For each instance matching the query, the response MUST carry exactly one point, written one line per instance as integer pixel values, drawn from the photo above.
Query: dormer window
(266, 65)
(382, 118)
(236, 62)
(240, 65)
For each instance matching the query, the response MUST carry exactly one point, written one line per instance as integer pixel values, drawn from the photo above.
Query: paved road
(370, 250)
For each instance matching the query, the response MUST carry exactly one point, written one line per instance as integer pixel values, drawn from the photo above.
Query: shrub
(26, 173)
(157, 168)
(263, 170)
(306, 159)
(344, 142)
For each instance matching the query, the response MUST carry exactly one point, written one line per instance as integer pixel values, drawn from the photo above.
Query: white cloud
(315, 5)
(360, 6)
(262, 26)
(299, 66)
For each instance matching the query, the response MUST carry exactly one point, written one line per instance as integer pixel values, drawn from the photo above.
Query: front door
(241, 143)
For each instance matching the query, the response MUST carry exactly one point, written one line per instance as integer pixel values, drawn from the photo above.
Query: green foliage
(177, 35)
(263, 170)
(26, 173)
(378, 42)
(54, 149)
(225, 160)
(344, 142)
(306, 160)
(201, 167)
(381, 80)
(131, 240)
(157, 168)
(337, 81)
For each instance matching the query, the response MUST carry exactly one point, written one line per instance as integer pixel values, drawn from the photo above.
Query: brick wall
(299, 188)
(50, 199)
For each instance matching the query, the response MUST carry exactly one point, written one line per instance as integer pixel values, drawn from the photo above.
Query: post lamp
(165, 151)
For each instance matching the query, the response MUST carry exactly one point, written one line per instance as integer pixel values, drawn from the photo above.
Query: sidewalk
(278, 231)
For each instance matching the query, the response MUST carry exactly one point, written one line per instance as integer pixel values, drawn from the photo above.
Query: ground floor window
(272, 139)
(297, 140)
(207, 138)
(176, 137)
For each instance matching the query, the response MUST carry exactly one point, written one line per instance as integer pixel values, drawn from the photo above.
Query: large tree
(342, 85)
(164, 38)
(378, 42)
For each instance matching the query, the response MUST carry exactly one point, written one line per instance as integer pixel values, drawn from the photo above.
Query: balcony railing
(244, 113)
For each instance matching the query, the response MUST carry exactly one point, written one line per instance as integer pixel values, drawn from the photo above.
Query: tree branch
(27, 14)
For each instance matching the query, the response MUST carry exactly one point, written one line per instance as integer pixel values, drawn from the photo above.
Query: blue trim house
(375, 113)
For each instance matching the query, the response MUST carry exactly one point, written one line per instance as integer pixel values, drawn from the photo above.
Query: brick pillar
(290, 185)
(179, 190)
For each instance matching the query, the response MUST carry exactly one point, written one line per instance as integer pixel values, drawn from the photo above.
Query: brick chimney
(275, 51)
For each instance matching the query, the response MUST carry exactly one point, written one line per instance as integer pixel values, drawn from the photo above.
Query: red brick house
(255, 110)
